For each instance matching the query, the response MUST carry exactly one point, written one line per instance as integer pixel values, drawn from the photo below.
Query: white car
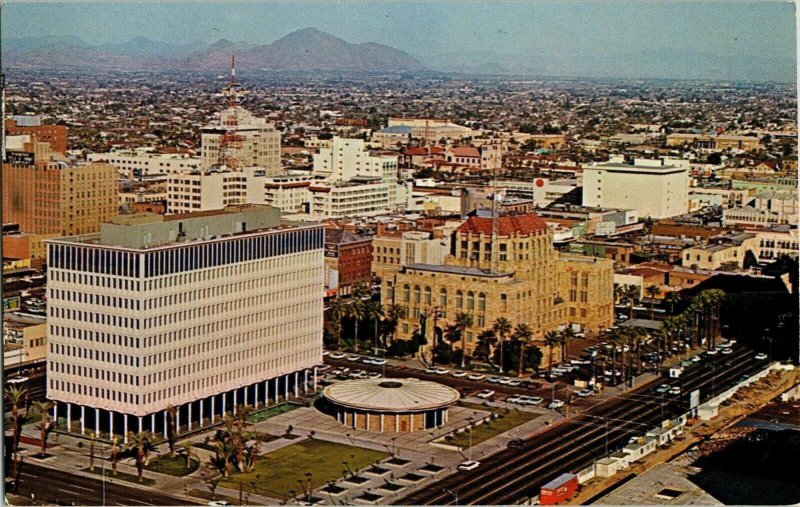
(469, 465)
(514, 383)
(325, 353)
(727, 350)
(337, 355)
(459, 374)
(535, 400)
(323, 367)
(431, 371)
(477, 377)
(441, 371)
(379, 361)
(17, 380)
(696, 359)
(584, 393)
(504, 381)
(495, 380)
(374, 374)
(555, 404)
(675, 390)
(514, 399)
(761, 356)
(218, 503)
(485, 394)
(711, 352)
(354, 358)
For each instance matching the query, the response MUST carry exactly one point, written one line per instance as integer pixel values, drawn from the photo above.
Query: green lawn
(264, 414)
(492, 428)
(277, 472)
(172, 466)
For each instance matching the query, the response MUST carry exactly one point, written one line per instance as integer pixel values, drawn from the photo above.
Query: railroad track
(575, 443)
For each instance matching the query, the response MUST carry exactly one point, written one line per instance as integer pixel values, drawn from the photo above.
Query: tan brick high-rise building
(54, 197)
(517, 274)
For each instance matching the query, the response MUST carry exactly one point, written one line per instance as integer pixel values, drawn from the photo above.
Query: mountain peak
(221, 44)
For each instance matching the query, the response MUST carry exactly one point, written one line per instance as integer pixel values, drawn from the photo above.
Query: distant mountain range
(310, 49)
(306, 49)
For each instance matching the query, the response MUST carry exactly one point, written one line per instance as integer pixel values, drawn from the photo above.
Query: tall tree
(485, 342)
(463, 321)
(502, 328)
(335, 312)
(138, 445)
(564, 337)
(14, 396)
(394, 314)
(550, 340)
(522, 334)
(172, 432)
(355, 310)
(375, 313)
(670, 298)
(631, 294)
(45, 424)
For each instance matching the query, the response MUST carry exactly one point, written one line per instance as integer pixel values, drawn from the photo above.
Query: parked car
(711, 352)
(17, 380)
(495, 380)
(513, 399)
(469, 465)
(513, 383)
(504, 381)
(374, 374)
(485, 394)
(218, 503)
(727, 350)
(516, 443)
(323, 367)
(663, 389)
(379, 361)
(477, 376)
(696, 359)
(431, 371)
(761, 356)
(675, 390)
(441, 371)
(353, 358)
(326, 353)
(555, 404)
(337, 355)
(585, 393)
(459, 374)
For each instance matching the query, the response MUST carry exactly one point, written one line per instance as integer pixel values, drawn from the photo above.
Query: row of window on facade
(427, 297)
(95, 392)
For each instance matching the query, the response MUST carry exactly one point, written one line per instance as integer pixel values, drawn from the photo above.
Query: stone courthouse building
(508, 269)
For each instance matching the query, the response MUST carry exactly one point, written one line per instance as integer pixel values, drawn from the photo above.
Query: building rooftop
(458, 270)
(391, 395)
(507, 225)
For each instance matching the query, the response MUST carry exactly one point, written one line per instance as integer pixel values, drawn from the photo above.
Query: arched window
(481, 301)
(427, 299)
(459, 299)
(406, 293)
(416, 293)
(470, 300)
(443, 298)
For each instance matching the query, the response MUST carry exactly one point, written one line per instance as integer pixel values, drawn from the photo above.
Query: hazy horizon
(427, 29)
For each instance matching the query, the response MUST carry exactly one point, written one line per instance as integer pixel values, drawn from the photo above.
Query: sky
(431, 28)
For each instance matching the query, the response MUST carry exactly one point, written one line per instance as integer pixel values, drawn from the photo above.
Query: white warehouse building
(202, 313)
(654, 188)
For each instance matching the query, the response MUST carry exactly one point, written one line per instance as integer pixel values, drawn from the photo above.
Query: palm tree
(138, 444)
(45, 425)
(224, 450)
(550, 340)
(652, 291)
(172, 432)
(631, 294)
(502, 328)
(564, 338)
(452, 333)
(91, 451)
(355, 310)
(395, 313)
(463, 321)
(671, 298)
(375, 313)
(485, 343)
(522, 333)
(15, 395)
(336, 311)
(188, 452)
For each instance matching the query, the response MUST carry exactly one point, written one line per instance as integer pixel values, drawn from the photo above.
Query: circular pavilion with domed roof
(390, 405)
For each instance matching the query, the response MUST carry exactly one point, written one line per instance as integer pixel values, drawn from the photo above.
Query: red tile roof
(465, 151)
(508, 225)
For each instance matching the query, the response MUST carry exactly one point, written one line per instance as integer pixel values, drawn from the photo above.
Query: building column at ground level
(153, 423)
(69, 416)
(286, 387)
(355, 419)
(177, 420)
(315, 378)
(296, 378)
(234, 401)
(189, 417)
(245, 396)
(305, 381)
(83, 420)
(140, 424)
(125, 424)
(276, 390)
(381, 422)
(97, 422)
(55, 411)
(266, 393)
(213, 415)
(201, 413)
(411, 422)
(396, 423)
(165, 424)
(223, 405)
(111, 425)
(367, 426)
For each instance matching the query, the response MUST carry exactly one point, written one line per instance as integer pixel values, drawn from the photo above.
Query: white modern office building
(240, 137)
(202, 313)
(139, 164)
(215, 189)
(654, 188)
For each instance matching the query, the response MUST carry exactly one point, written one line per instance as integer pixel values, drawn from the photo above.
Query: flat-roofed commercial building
(135, 164)
(202, 312)
(655, 188)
